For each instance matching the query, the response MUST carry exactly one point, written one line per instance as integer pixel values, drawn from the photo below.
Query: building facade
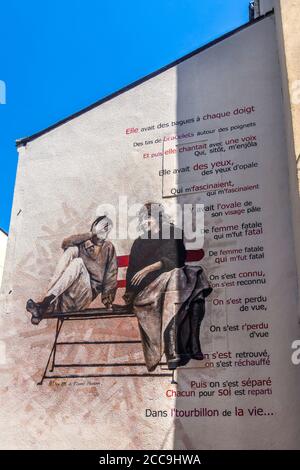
(210, 138)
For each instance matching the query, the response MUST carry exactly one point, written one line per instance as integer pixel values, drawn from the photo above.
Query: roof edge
(3, 231)
(23, 141)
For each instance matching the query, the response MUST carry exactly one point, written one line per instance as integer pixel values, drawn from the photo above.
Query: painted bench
(117, 312)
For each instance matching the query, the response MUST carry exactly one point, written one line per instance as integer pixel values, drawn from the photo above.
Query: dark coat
(144, 252)
(163, 310)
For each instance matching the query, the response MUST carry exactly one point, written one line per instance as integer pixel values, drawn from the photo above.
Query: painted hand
(107, 299)
(140, 275)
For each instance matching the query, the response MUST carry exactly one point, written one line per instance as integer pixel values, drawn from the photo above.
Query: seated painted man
(87, 268)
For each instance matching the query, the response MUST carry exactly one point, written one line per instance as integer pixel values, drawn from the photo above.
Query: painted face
(101, 230)
(149, 224)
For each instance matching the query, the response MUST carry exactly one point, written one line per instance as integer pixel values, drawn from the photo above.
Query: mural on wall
(165, 294)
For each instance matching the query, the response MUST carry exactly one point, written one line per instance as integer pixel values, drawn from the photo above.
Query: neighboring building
(3, 243)
(261, 7)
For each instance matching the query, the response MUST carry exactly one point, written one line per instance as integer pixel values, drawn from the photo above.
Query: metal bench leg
(173, 381)
(52, 352)
(58, 328)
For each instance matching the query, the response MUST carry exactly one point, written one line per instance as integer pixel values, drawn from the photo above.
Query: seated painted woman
(167, 296)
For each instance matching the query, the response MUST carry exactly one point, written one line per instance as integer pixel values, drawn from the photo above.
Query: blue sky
(57, 57)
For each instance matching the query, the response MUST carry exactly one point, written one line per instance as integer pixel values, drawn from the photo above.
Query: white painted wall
(62, 178)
